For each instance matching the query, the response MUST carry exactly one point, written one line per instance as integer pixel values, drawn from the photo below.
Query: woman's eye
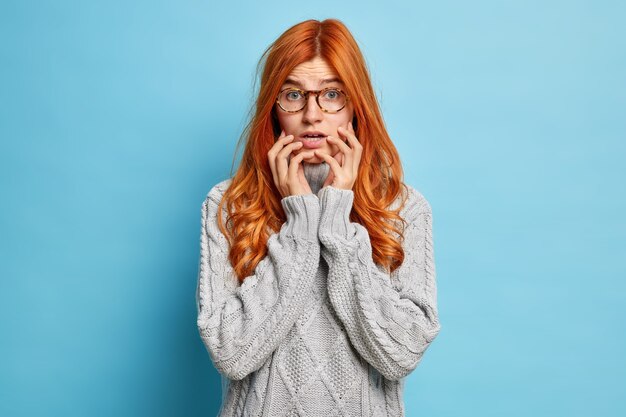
(332, 94)
(293, 95)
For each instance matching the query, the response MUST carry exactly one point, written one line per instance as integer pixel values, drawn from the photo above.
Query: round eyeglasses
(330, 100)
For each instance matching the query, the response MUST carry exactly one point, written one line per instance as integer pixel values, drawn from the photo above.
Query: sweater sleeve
(391, 319)
(241, 325)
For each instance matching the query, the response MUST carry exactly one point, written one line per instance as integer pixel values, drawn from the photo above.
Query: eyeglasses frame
(317, 93)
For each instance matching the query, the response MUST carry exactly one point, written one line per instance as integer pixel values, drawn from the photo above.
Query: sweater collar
(316, 174)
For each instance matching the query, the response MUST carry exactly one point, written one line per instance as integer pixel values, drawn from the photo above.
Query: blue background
(117, 117)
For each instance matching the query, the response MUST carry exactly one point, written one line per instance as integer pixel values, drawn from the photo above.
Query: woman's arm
(241, 325)
(390, 320)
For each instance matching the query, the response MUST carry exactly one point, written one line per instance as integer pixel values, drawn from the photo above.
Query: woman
(316, 290)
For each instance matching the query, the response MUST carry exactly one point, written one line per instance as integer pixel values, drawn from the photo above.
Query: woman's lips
(311, 143)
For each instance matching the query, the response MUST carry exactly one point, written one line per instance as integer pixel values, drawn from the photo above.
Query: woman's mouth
(312, 141)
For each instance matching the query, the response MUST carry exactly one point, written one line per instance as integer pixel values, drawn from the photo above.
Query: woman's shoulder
(213, 198)
(415, 202)
(217, 191)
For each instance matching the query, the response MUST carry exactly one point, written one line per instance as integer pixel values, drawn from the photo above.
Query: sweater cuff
(335, 206)
(303, 214)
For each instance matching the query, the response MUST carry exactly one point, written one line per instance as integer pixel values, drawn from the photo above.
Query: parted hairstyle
(252, 200)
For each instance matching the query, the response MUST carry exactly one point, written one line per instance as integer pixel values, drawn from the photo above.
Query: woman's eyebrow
(324, 81)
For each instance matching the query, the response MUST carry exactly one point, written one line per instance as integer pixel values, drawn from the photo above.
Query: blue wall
(117, 117)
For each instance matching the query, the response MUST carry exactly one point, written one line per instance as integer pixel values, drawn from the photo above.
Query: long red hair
(253, 201)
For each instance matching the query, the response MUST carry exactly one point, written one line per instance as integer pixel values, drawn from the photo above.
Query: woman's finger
(334, 165)
(282, 163)
(349, 133)
(271, 155)
(345, 148)
(294, 164)
(358, 150)
(353, 158)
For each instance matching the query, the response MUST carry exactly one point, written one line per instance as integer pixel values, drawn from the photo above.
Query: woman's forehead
(315, 72)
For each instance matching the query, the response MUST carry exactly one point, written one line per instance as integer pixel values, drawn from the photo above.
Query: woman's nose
(312, 112)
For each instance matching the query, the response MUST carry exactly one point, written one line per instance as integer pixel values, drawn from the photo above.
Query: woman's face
(315, 75)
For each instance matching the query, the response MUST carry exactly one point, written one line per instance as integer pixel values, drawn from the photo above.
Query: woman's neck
(316, 174)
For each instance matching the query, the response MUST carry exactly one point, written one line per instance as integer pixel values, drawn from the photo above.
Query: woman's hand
(344, 165)
(288, 172)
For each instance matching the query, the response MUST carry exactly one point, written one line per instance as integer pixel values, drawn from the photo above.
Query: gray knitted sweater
(319, 329)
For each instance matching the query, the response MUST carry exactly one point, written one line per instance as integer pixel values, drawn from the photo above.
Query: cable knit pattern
(390, 320)
(319, 329)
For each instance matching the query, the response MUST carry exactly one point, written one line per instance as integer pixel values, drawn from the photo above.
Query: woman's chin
(312, 160)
